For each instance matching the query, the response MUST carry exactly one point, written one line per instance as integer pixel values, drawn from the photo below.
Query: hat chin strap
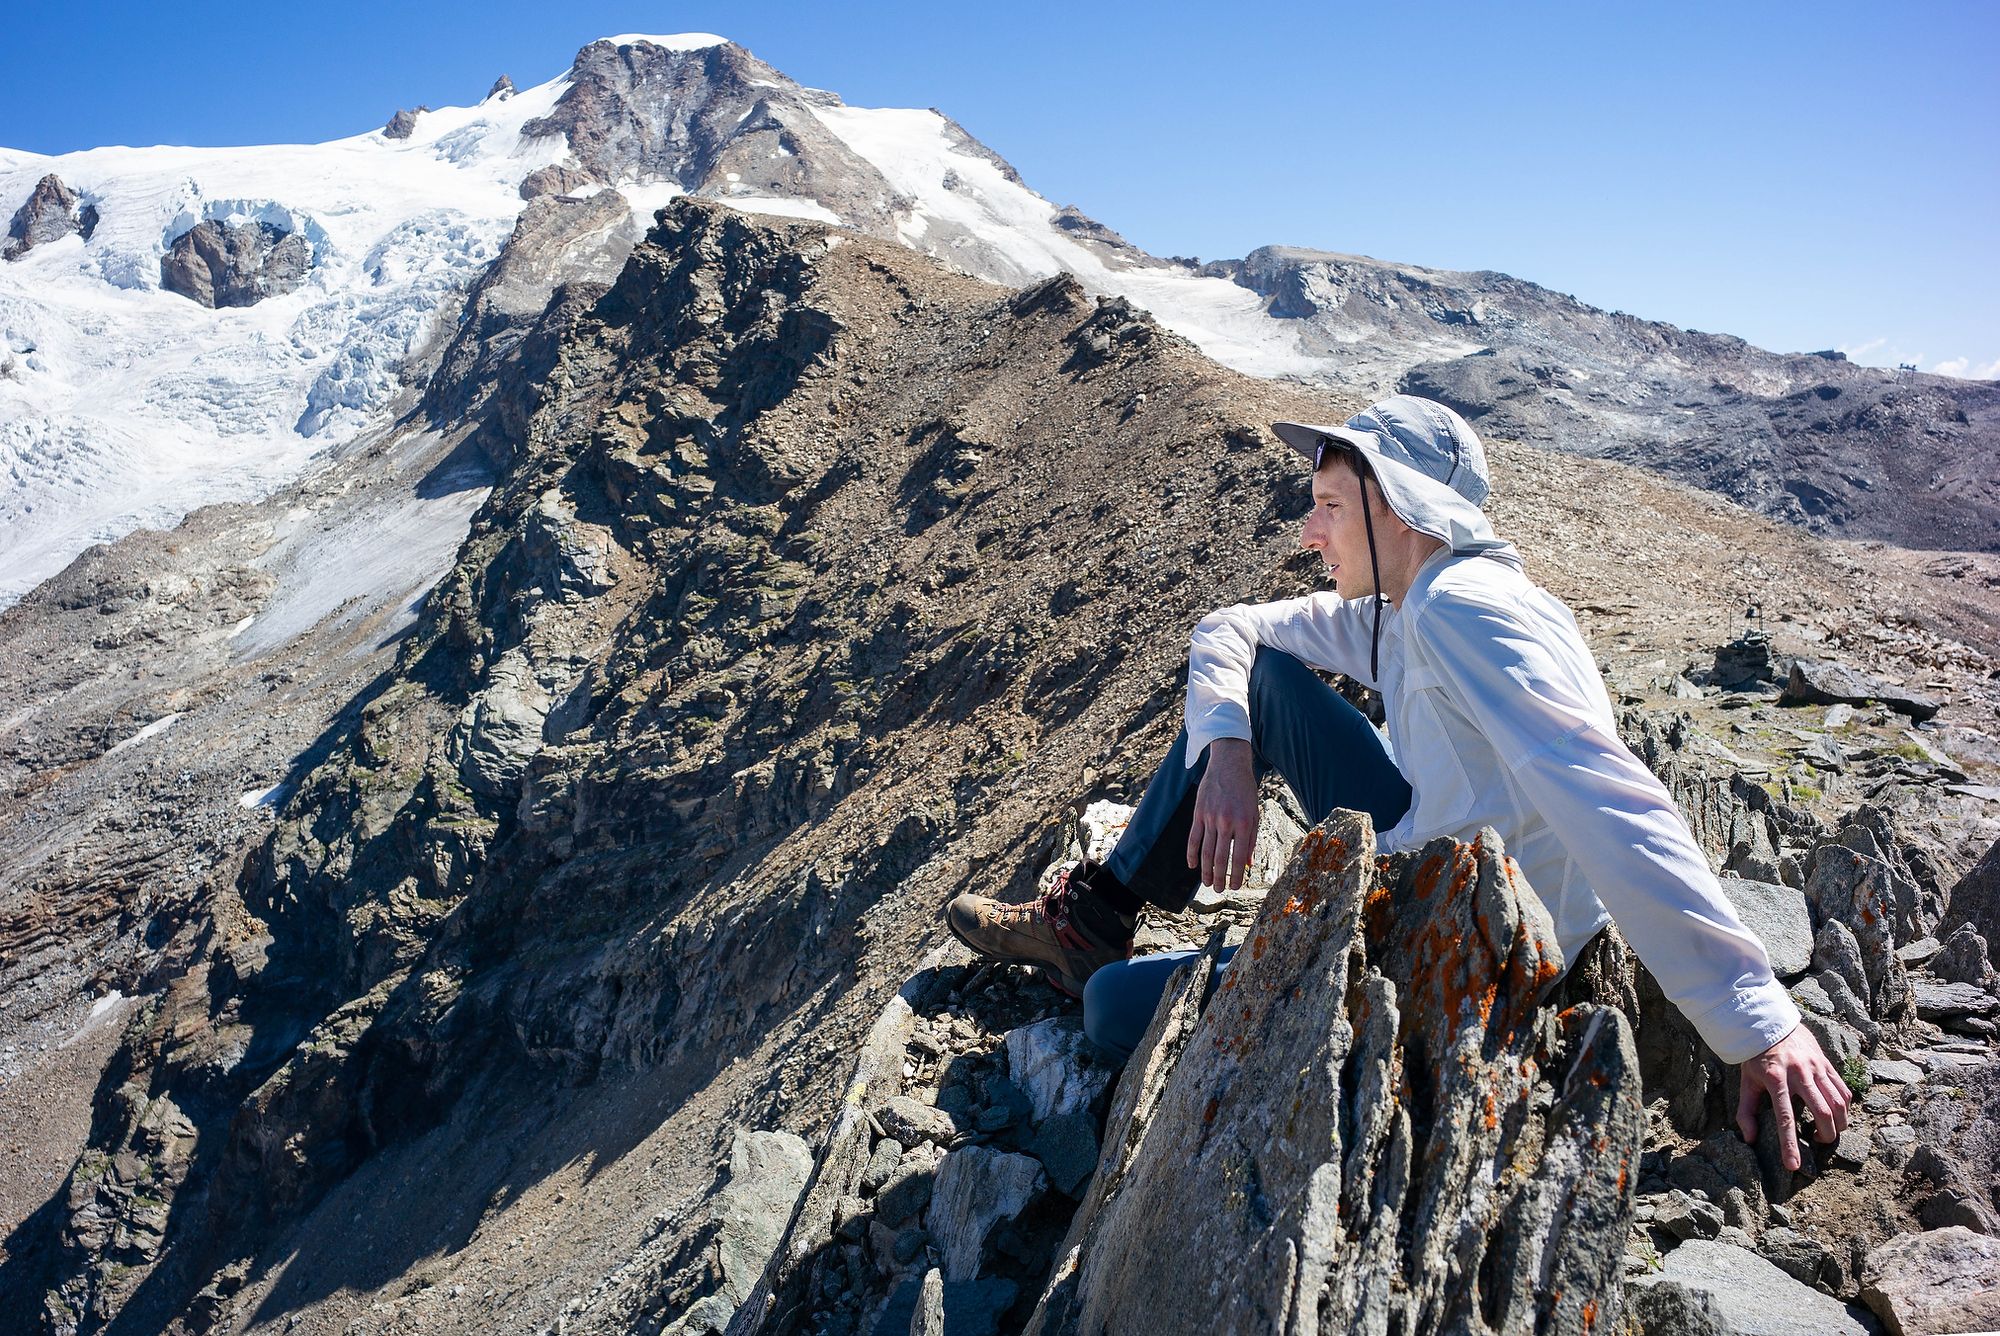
(1375, 570)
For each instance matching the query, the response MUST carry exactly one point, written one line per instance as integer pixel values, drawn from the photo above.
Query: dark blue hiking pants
(1328, 753)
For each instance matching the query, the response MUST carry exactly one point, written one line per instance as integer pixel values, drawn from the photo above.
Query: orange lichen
(1589, 1314)
(1257, 945)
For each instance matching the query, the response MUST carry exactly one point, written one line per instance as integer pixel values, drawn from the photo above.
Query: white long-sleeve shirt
(1498, 717)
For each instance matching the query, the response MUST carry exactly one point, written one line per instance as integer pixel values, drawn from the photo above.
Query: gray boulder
(1804, 1259)
(1964, 958)
(911, 1121)
(1943, 1280)
(1975, 899)
(1818, 682)
(1947, 1001)
(978, 1190)
(1668, 1308)
(228, 264)
(1754, 1297)
(1778, 915)
(51, 211)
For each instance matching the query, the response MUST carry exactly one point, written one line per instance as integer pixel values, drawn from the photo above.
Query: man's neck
(1401, 558)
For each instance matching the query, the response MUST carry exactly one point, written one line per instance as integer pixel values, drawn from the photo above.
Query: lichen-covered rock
(1373, 1123)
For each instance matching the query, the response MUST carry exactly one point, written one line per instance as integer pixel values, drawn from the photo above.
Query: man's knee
(1104, 1020)
(1275, 673)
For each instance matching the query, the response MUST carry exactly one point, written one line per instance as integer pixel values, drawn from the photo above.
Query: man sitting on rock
(1497, 716)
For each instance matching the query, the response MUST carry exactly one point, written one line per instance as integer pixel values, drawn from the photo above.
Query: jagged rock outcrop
(503, 87)
(221, 263)
(713, 119)
(404, 123)
(1372, 1123)
(50, 212)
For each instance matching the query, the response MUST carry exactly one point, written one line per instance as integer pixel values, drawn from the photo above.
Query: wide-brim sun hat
(1427, 460)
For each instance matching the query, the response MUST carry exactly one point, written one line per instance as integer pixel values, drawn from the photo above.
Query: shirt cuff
(1221, 721)
(1748, 1021)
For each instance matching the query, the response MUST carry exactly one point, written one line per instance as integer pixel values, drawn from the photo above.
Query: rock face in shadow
(1373, 1124)
(226, 264)
(51, 212)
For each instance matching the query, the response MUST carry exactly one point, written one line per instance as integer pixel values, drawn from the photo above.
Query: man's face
(1335, 529)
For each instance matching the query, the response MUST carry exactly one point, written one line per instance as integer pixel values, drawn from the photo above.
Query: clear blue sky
(1804, 175)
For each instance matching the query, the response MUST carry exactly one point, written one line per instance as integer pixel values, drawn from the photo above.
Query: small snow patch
(101, 1010)
(154, 729)
(270, 797)
(787, 208)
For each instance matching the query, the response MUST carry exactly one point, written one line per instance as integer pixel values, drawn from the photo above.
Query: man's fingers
(1746, 1108)
(1837, 1100)
(1788, 1132)
(1239, 859)
(1821, 1106)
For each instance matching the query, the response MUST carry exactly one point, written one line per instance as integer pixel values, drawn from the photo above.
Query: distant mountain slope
(1811, 438)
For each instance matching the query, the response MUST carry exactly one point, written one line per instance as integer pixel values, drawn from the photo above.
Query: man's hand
(1225, 815)
(1794, 1066)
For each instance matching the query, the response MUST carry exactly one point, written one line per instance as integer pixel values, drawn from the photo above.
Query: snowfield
(125, 405)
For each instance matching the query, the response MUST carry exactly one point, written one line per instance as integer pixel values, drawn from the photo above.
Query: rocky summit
(493, 881)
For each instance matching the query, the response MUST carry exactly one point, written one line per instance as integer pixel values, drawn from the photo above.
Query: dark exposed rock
(555, 179)
(1815, 682)
(1367, 1016)
(403, 124)
(234, 264)
(51, 211)
(503, 87)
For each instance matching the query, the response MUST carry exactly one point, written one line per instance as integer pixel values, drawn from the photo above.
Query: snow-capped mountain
(123, 403)
(336, 269)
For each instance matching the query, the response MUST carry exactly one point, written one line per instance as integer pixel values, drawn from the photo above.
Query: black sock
(1112, 894)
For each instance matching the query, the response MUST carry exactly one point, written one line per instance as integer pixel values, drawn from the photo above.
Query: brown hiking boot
(1053, 932)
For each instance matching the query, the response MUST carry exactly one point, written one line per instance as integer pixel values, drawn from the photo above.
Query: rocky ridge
(813, 580)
